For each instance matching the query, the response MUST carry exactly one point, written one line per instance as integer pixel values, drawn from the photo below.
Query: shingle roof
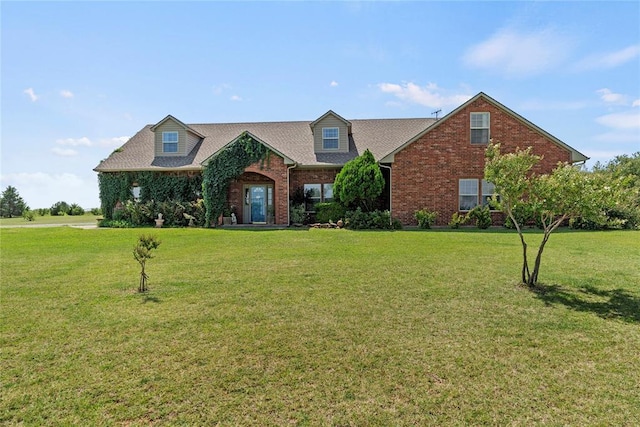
(292, 139)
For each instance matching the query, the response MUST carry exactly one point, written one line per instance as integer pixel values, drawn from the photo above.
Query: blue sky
(79, 78)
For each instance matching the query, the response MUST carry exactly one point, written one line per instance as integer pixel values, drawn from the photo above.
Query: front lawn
(50, 220)
(318, 327)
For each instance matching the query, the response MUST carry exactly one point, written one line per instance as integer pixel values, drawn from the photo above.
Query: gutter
(288, 192)
(390, 193)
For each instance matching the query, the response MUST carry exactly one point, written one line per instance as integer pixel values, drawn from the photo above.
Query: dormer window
(330, 138)
(479, 128)
(169, 142)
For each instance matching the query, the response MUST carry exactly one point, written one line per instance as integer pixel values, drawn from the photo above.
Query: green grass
(319, 327)
(50, 220)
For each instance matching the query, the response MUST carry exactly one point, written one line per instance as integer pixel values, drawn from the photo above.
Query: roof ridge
(307, 122)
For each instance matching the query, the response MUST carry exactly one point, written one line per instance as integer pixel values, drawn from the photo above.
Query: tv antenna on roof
(435, 113)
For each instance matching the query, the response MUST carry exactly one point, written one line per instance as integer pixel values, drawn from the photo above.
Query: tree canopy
(551, 199)
(359, 183)
(11, 204)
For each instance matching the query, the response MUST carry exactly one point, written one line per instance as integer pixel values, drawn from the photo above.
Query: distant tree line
(12, 206)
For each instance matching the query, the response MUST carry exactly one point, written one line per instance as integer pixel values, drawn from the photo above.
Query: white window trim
(480, 194)
(337, 139)
(460, 194)
(322, 196)
(487, 127)
(487, 195)
(165, 141)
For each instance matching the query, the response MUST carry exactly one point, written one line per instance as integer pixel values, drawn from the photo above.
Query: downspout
(390, 193)
(288, 191)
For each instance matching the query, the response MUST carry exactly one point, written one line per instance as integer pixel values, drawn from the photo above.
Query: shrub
(28, 215)
(114, 223)
(327, 212)
(96, 211)
(482, 215)
(59, 208)
(43, 211)
(457, 220)
(298, 214)
(137, 214)
(425, 218)
(375, 220)
(144, 214)
(197, 210)
(523, 215)
(75, 209)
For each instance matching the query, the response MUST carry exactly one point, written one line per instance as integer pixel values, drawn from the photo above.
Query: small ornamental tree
(11, 204)
(359, 183)
(142, 253)
(565, 193)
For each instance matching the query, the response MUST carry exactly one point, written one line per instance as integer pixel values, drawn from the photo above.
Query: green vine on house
(224, 166)
(158, 186)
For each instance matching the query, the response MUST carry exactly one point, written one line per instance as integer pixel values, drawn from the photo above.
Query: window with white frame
(316, 193)
(479, 128)
(313, 195)
(487, 192)
(330, 138)
(169, 142)
(467, 194)
(470, 189)
(327, 192)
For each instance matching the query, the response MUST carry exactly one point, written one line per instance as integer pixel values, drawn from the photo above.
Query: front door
(258, 203)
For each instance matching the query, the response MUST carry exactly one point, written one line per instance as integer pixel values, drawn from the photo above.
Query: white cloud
(75, 142)
(31, 94)
(64, 152)
(609, 60)
(333, 83)
(235, 98)
(41, 190)
(519, 54)
(621, 121)
(618, 137)
(547, 105)
(636, 103)
(86, 142)
(430, 95)
(611, 98)
(218, 89)
(66, 94)
(113, 142)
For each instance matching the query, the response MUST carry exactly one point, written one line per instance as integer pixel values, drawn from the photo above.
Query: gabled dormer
(174, 138)
(331, 133)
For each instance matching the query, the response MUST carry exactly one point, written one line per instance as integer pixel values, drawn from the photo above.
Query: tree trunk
(533, 279)
(142, 287)
(525, 263)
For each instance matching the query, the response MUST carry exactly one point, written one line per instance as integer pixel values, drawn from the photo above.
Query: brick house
(427, 163)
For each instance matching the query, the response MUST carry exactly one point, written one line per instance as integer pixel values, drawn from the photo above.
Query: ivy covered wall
(157, 186)
(212, 184)
(226, 165)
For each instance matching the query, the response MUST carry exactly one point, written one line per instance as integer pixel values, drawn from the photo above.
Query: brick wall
(425, 174)
(299, 177)
(270, 171)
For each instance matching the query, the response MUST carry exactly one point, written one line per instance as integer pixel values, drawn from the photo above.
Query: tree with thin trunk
(142, 253)
(567, 192)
